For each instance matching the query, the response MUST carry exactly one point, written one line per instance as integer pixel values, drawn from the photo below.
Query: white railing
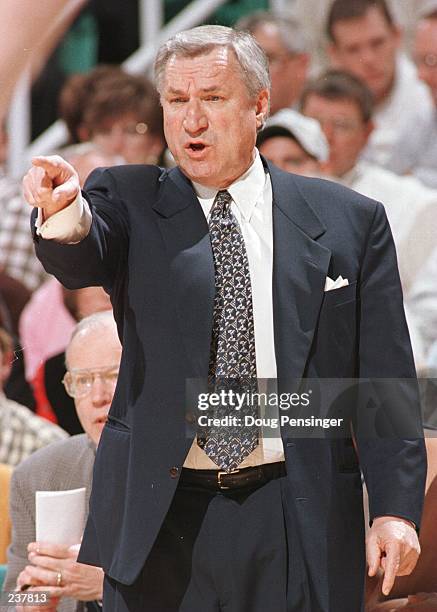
(152, 35)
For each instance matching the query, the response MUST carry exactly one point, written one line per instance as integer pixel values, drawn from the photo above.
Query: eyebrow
(203, 90)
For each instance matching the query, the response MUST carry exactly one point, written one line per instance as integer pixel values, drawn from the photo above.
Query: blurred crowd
(354, 100)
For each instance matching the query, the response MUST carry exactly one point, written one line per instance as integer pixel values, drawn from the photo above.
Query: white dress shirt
(252, 207)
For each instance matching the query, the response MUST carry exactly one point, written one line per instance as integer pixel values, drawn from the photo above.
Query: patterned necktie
(232, 360)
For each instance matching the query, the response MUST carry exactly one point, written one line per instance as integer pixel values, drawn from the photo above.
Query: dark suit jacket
(149, 247)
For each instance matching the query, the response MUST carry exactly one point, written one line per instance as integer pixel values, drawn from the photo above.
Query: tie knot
(222, 204)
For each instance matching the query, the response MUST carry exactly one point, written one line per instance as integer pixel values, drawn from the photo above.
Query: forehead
(373, 22)
(344, 106)
(94, 347)
(213, 68)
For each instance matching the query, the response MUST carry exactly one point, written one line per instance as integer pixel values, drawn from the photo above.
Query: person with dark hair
(286, 47)
(343, 106)
(226, 267)
(425, 55)
(364, 40)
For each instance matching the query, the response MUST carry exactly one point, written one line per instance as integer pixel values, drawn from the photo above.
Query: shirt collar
(246, 191)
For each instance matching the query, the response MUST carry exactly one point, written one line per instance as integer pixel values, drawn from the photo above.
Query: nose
(100, 395)
(195, 121)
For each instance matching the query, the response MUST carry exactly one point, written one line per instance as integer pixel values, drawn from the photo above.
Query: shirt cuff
(68, 226)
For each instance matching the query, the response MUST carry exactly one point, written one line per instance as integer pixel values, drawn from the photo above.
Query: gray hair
(96, 321)
(290, 31)
(203, 39)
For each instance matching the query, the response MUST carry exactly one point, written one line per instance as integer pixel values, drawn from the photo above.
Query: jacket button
(174, 471)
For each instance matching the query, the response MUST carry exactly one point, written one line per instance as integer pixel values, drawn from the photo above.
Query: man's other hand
(393, 545)
(51, 184)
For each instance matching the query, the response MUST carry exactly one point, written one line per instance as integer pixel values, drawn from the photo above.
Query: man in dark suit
(222, 268)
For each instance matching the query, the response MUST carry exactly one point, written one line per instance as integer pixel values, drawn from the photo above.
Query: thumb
(66, 192)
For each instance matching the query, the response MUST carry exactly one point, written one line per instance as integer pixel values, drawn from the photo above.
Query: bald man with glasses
(92, 359)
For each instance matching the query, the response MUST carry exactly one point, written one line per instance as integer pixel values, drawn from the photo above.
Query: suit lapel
(300, 266)
(185, 233)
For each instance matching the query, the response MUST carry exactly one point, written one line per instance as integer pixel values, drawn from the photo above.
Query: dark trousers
(216, 552)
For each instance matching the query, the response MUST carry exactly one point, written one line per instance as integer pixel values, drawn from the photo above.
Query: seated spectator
(364, 40)
(21, 431)
(294, 143)
(93, 358)
(51, 400)
(118, 112)
(343, 106)
(285, 45)
(425, 54)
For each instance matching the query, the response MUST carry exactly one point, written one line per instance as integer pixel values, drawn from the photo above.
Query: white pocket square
(331, 284)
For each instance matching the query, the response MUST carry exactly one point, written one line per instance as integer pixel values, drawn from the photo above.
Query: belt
(217, 480)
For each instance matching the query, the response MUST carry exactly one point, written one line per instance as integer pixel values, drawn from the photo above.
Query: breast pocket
(343, 295)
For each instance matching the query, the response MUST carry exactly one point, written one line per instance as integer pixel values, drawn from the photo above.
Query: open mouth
(196, 147)
(101, 420)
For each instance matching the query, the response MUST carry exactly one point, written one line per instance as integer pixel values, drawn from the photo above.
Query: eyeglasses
(78, 383)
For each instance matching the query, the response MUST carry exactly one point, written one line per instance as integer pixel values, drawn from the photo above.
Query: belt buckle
(221, 473)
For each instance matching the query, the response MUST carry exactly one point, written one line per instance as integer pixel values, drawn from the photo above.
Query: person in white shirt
(425, 55)
(283, 41)
(343, 106)
(364, 40)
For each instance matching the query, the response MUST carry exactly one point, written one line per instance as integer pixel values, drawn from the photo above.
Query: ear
(398, 35)
(5, 366)
(368, 130)
(262, 107)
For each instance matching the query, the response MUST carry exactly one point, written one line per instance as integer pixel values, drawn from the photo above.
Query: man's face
(344, 128)
(94, 354)
(210, 121)
(366, 47)
(425, 53)
(288, 155)
(288, 71)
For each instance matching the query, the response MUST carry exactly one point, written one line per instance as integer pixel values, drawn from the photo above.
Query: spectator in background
(93, 358)
(294, 143)
(343, 106)
(284, 43)
(425, 54)
(52, 401)
(364, 40)
(21, 432)
(118, 112)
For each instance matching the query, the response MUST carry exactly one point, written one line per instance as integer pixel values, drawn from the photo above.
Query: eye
(213, 98)
(177, 100)
(82, 381)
